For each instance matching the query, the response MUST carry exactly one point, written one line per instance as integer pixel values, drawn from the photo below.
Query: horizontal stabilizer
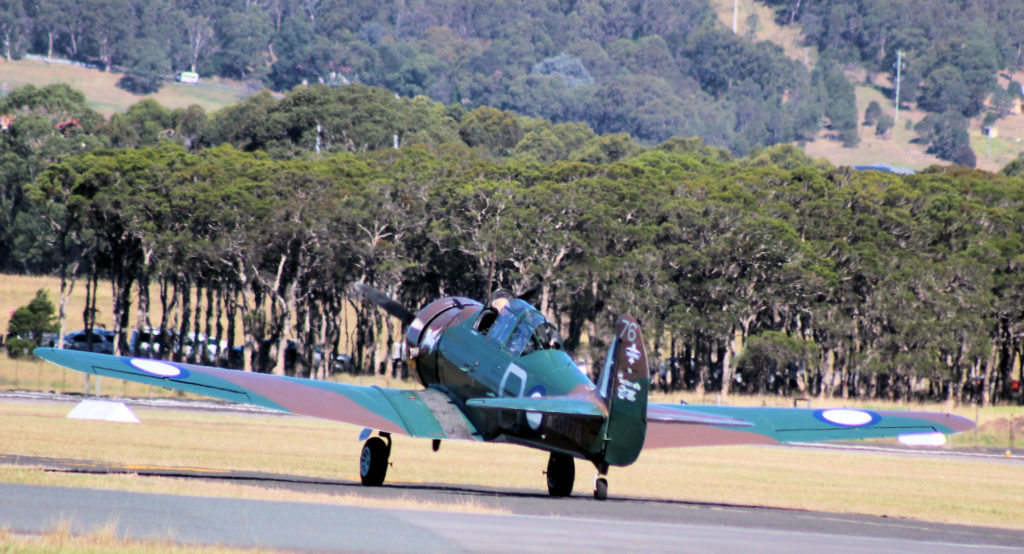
(665, 414)
(563, 405)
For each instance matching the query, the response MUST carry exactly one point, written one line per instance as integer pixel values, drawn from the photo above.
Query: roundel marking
(847, 418)
(158, 368)
(534, 419)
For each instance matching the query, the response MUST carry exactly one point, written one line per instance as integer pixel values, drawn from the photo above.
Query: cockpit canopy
(520, 328)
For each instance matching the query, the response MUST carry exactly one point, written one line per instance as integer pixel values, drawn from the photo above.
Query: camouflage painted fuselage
(452, 348)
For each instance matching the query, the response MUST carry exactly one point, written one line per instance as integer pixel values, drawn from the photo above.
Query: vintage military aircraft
(497, 372)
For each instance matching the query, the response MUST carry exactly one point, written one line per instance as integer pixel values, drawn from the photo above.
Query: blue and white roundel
(847, 418)
(534, 419)
(158, 368)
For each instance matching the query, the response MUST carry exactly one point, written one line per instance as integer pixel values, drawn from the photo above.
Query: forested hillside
(650, 69)
(764, 273)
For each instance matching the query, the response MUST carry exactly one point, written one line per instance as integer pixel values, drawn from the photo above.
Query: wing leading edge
(671, 425)
(418, 413)
(563, 405)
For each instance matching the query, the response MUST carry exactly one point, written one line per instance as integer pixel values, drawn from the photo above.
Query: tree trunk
(210, 348)
(142, 320)
(186, 315)
(67, 285)
(89, 313)
(825, 391)
(987, 384)
(283, 306)
(122, 283)
(732, 353)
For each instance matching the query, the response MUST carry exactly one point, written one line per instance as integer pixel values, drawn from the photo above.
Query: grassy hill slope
(897, 149)
(100, 88)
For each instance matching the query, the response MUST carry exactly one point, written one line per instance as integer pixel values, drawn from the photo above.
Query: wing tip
(45, 352)
(959, 424)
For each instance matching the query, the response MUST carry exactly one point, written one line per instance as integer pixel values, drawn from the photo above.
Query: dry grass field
(18, 290)
(922, 487)
(748, 12)
(105, 540)
(102, 94)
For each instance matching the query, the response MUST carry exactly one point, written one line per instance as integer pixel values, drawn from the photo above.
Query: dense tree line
(650, 69)
(770, 272)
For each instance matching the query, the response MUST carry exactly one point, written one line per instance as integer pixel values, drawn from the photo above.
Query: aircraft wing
(423, 413)
(678, 425)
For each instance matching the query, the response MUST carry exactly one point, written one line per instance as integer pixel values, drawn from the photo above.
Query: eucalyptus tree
(14, 28)
(130, 210)
(45, 126)
(291, 239)
(228, 199)
(108, 29)
(61, 201)
(145, 123)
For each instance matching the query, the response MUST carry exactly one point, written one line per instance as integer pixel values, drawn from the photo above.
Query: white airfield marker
(103, 410)
(923, 439)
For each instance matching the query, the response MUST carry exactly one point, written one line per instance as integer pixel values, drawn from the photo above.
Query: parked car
(147, 342)
(342, 362)
(101, 340)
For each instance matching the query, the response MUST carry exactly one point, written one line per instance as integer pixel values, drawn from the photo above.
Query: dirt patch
(1004, 425)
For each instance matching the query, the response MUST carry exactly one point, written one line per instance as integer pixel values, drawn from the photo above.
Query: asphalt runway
(529, 520)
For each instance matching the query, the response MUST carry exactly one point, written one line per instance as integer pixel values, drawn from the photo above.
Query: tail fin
(624, 383)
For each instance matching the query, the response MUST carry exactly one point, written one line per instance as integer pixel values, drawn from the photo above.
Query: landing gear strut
(561, 474)
(373, 462)
(600, 483)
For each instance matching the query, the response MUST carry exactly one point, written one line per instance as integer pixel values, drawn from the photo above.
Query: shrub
(28, 325)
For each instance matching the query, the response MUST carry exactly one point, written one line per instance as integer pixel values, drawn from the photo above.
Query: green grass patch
(995, 152)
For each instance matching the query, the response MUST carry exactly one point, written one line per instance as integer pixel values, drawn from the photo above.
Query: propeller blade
(388, 304)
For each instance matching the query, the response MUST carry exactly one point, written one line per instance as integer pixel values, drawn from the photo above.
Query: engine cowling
(426, 331)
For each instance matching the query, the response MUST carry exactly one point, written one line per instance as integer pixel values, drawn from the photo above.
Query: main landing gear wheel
(373, 462)
(561, 474)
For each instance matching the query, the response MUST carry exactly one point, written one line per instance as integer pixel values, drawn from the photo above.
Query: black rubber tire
(373, 462)
(601, 488)
(561, 474)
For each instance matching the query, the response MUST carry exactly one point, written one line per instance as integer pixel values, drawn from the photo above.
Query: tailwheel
(373, 462)
(601, 488)
(600, 483)
(561, 474)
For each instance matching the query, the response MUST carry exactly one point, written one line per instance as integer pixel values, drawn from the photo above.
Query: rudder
(624, 384)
